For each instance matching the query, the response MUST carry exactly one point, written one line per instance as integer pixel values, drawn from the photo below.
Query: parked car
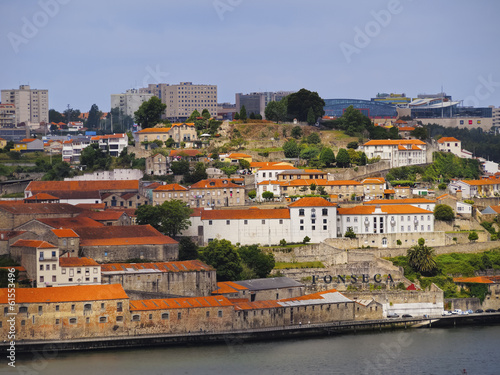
(470, 312)
(446, 313)
(479, 311)
(392, 315)
(456, 312)
(406, 316)
(490, 310)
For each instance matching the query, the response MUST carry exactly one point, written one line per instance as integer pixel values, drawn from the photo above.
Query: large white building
(399, 152)
(113, 143)
(31, 105)
(488, 187)
(450, 144)
(130, 101)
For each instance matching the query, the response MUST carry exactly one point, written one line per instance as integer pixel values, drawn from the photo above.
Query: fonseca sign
(328, 279)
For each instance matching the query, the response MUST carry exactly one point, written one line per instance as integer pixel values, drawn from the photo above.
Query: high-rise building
(32, 105)
(184, 98)
(256, 102)
(7, 115)
(130, 101)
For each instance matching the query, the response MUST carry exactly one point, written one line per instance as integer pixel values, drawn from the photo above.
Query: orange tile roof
(374, 180)
(41, 196)
(123, 235)
(170, 187)
(393, 142)
(277, 168)
(256, 305)
(251, 214)
(75, 293)
(34, 243)
(482, 182)
(19, 208)
(477, 279)
(18, 268)
(6, 235)
(185, 152)
(226, 287)
(312, 296)
(447, 139)
(92, 206)
(312, 202)
(108, 215)
(154, 130)
(389, 191)
(400, 201)
(308, 182)
(214, 183)
(41, 186)
(260, 164)
(178, 266)
(406, 128)
(65, 233)
(70, 222)
(77, 262)
(388, 209)
(236, 155)
(179, 303)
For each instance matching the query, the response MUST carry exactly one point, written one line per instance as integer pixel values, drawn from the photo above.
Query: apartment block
(32, 105)
(7, 115)
(130, 101)
(183, 98)
(256, 102)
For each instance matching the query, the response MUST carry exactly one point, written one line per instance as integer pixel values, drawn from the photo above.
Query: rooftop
(76, 262)
(170, 187)
(387, 209)
(269, 283)
(122, 235)
(34, 243)
(249, 213)
(44, 186)
(179, 303)
(312, 202)
(180, 266)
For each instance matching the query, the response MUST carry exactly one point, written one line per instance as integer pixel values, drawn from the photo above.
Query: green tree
(291, 149)
(313, 138)
(350, 233)
(268, 195)
(327, 157)
(309, 153)
(259, 262)
(276, 111)
(353, 121)
(205, 114)
(306, 239)
(252, 194)
(311, 118)
(55, 116)
(252, 116)
(199, 173)
(394, 133)
(58, 171)
(473, 236)
(236, 116)
(94, 118)
(299, 103)
(354, 145)
(322, 191)
(169, 143)
(188, 250)
(442, 186)
(194, 116)
(224, 257)
(443, 212)
(343, 159)
(94, 158)
(363, 160)
(71, 114)
(244, 164)
(296, 132)
(180, 167)
(243, 114)
(150, 112)
(170, 218)
(421, 258)
(313, 187)
(420, 133)
(151, 215)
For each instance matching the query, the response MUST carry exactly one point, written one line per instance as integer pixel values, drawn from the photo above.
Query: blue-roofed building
(372, 109)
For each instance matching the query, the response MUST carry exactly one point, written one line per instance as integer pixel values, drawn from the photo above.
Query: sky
(83, 51)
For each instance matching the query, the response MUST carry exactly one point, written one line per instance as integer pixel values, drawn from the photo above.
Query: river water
(475, 349)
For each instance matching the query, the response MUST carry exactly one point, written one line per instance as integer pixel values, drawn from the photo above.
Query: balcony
(51, 259)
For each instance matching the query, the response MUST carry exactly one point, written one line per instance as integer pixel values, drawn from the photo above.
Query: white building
(488, 187)
(450, 144)
(114, 143)
(399, 152)
(130, 101)
(271, 172)
(79, 271)
(369, 219)
(115, 174)
(31, 105)
(426, 204)
(311, 217)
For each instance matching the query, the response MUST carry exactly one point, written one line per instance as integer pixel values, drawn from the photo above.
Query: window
(103, 319)
(355, 219)
(219, 314)
(57, 307)
(208, 314)
(57, 321)
(41, 267)
(72, 308)
(119, 318)
(54, 278)
(23, 309)
(165, 316)
(281, 221)
(313, 227)
(209, 222)
(63, 271)
(245, 222)
(228, 222)
(324, 227)
(402, 228)
(150, 316)
(119, 306)
(41, 279)
(301, 227)
(72, 321)
(348, 219)
(179, 315)
(47, 267)
(324, 211)
(301, 212)
(136, 318)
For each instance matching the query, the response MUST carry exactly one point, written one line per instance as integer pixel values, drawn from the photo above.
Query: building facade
(129, 102)
(32, 105)
(399, 152)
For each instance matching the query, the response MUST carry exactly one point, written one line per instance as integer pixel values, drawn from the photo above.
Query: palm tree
(421, 257)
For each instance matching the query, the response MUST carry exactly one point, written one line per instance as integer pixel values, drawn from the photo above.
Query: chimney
(459, 195)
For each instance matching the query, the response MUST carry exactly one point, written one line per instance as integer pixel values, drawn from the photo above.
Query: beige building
(7, 115)
(130, 101)
(169, 192)
(216, 193)
(32, 105)
(179, 132)
(374, 188)
(184, 98)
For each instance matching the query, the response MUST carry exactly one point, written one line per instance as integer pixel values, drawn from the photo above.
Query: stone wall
(475, 247)
(112, 254)
(463, 304)
(188, 284)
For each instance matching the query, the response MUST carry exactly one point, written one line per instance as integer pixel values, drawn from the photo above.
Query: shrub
(306, 240)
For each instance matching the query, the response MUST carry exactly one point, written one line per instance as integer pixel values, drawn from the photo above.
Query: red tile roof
(482, 182)
(214, 183)
(236, 155)
(312, 202)
(92, 206)
(108, 215)
(388, 209)
(179, 266)
(179, 303)
(250, 214)
(226, 287)
(41, 208)
(394, 142)
(125, 235)
(41, 196)
(65, 233)
(6, 235)
(401, 201)
(277, 168)
(256, 305)
(374, 180)
(100, 185)
(170, 187)
(76, 262)
(66, 294)
(475, 280)
(70, 222)
(185, 152)
(34, 243)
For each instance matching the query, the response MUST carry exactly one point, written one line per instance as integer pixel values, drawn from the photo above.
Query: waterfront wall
(107, 254)
(463, 304)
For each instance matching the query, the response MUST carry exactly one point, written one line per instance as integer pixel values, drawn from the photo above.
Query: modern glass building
(372, 109)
